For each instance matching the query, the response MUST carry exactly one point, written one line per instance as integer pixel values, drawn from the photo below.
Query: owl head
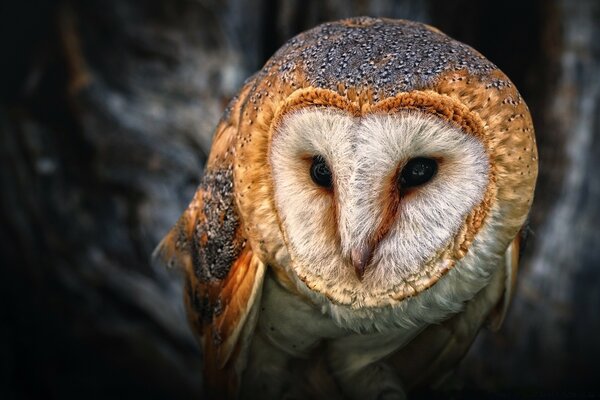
(377, 160)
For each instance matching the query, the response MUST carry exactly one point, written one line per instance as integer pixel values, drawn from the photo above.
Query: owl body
(359, 214)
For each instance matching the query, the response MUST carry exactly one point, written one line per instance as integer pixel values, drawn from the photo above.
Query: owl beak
(361, 256)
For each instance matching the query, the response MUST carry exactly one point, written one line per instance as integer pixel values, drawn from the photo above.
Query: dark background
(106, 114)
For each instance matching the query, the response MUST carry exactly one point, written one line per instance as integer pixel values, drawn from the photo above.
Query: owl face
(368, 203)
(374, 158)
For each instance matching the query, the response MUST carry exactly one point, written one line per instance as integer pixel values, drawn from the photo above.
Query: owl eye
(320, 172)
(417, 171)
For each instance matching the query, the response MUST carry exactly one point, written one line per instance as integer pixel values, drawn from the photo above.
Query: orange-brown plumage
(236, 233)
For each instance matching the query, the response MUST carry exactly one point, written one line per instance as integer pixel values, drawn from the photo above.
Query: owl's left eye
(320, 172)
(417, 171)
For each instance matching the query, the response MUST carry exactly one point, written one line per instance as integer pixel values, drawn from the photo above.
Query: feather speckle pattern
(213, 247)
(386, 55)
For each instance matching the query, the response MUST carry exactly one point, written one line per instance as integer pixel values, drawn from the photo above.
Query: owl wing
(439, 348)
(223, 276)
(511, 268)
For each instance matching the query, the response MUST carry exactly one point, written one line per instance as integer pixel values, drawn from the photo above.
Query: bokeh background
(106, 115)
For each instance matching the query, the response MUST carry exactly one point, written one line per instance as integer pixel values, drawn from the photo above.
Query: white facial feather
(302, 205)
(321, 228)
(427, 219)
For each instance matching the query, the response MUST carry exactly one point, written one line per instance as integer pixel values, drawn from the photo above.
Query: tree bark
(106, 118)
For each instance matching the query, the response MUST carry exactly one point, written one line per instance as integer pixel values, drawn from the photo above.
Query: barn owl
(359, 215)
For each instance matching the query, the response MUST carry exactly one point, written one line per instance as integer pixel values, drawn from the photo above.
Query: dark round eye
(320, 172)
(417, 171)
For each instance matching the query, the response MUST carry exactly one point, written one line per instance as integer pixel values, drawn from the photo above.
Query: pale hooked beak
(361, 256)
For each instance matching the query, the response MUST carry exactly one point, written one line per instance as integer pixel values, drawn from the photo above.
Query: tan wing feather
(222, 273)
(511, 268)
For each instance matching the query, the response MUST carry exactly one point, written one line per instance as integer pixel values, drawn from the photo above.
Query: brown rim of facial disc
(429, 102)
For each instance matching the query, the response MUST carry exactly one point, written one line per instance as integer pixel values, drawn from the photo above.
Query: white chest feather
(297, 327)
(294, 337)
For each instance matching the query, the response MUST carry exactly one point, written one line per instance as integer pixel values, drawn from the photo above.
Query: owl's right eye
(320, 172)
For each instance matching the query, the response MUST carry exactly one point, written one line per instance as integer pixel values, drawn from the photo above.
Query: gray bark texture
(106, 114)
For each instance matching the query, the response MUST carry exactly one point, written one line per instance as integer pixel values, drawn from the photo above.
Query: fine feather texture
(323, 227)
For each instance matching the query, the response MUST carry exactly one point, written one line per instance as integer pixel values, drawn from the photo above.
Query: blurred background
(107, 108)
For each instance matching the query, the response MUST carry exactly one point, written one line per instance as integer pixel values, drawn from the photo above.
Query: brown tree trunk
(106, 118)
